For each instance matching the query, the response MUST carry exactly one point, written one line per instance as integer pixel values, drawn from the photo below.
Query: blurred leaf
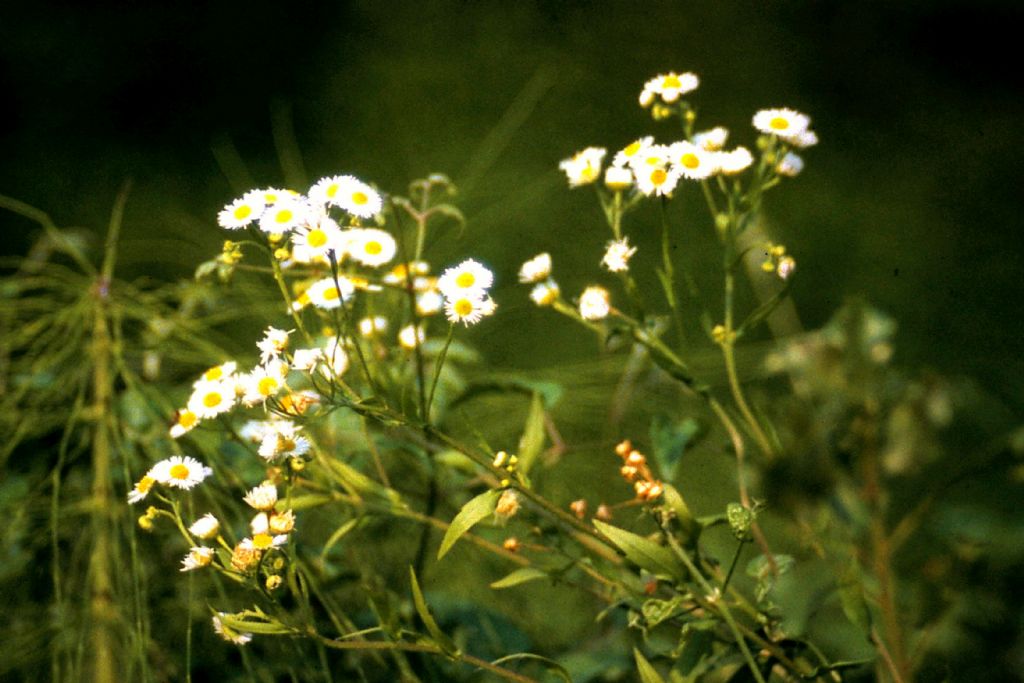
(690, 527)
(656, 611)
(471, 513)
(519, 576)
(670, 439)
(647, 672)
(760, 570)
(551, 392)
(644, 553)
(532, 441)
(356, 483)
(551, 664)
(851, 595)
(440, 637)
(339, 534)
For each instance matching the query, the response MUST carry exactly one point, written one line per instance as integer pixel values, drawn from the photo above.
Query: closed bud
(579, 508)
(273, 582)
(604, 513)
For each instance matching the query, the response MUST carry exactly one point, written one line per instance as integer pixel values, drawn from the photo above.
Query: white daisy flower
(469, 308)
(197, 557)
(630, 151)
(284, 215)
(369, 327)
(264, 382)
(222, 371)
(657, 181)
(263, 542)
(618, 178)
(584, 167)
(253, 430)
(429, 303)
(790, 166)
(142, 488)
(335, 357)
(617, 255)
(306, 359)
(808, 138)
(735, 161)
(370, 246)
(545, 293)
(692, 161)
(184, 422)
(281, 522)
(651, 156)
(273, 344)
(283, 441)
(785, 123)
(312, 242)
(260, 524)
(227, 633)
(272, 195)
(262, 497)
(179, 471)
(595, 303)
(672, 86)
(409, 337)
(469, 277)
(355, 197)
(536, 269)
(210, 399)
(328, 294)
(242, 211)
(205, 528)
(327, 190)
(712, 140)
(647, 96)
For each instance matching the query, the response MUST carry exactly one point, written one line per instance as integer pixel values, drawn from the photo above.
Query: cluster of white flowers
(537, 271)
(465, 290)
(668, 88)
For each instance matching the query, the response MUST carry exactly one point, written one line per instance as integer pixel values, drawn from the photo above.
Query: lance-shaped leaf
(648, 674)
(471, 513)
(532, 441)
(644, 552)
(552, 666)
(440, 638)
(519, 576)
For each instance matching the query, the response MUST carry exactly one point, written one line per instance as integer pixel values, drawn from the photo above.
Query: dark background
(910, 200)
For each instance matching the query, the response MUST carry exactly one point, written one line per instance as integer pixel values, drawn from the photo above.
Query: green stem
(669, 281)
(438, 365)
(279, 278)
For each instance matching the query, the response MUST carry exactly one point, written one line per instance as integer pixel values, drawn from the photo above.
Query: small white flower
(409, 337)
(264, 382)
(263, 542)
(184, 422)
(584, 167)
(630, 151)
(790, 166)
(262, 497)
(735, 161)
(692, 161)
(672, 86)
(467, 278)
(545, 293)
(181, 472)
(647, 96)
(657, 181)
(197, 557)
(284, 215)
(618, 178)
(785, 123)
(469, 308)
(227, 633)
(429, 303)
(356, 197)
(310, 243)
(617, 255)
(651, 156)
(142, 488)
(712, 140)
(595, 303)
(326, 190)
(370, 246)
(808, 138)
(283, 440)
(273, 344)
(205, 528)
(328, 294)
(536, 269)
(253, 430)
(217, 372)
(210, 399)
(306, 359)
(417, 269)
(336, 359)
(242, 211)
(787, 264)
(369, 327)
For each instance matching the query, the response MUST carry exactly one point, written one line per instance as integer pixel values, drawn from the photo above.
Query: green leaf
(670, 439)
(519, 576)
(471, 513)
(308, 500)
(532, 441)
(851, 595)
(690, 527)
(339, 534)
(763, 311)
(648, 674)
(551, 392)
(644, 553)
(551, 664)
(358, 484)
(441, 639)
(254, 621)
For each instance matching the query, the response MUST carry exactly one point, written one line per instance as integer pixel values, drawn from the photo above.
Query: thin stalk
(438, 365)
(669, 281)
(283, 286)
(732, 566)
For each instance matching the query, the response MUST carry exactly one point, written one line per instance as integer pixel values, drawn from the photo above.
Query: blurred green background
(910, 200)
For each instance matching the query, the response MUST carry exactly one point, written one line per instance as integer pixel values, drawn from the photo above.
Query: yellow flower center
(212, 399)
(373, 248)
(463, 307)
(242, 212)
(779, 123)
(632, 149)
(262, 541)
(690, 160)
(179, 471)
(213, 373)
(270, 198)
(285, 445)
(145, 484)
(671, 81)
(331, 294)
(187, 419)
(266, 386)
(588, 173)
(658, 176)
(465, 280)
(316, 238)
(332, 190)
(359, 198)
(284, 216)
